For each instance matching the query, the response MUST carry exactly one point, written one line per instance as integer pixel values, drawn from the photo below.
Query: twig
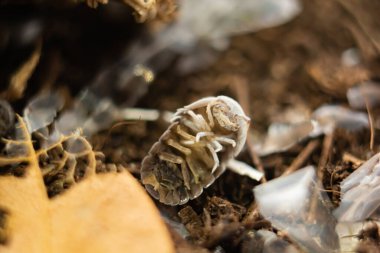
(371, 125)
(302, 157)
(347, 157)
(326, 149)
(252, 213)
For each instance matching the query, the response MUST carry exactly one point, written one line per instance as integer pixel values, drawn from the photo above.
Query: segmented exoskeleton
(195, 149)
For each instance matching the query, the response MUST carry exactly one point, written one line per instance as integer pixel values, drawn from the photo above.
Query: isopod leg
(199, 121)
(215, 157)
(209, 115)
(202, 134)
(190, 124)
(164, 156)
(185, 175)
(179, 147)
(226, 140)
(217, 146)
(184, 134)
(193, 169)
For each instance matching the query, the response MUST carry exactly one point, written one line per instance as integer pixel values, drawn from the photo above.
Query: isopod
(203, 137)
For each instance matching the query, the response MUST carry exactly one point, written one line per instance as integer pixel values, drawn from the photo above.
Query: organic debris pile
(88, 88)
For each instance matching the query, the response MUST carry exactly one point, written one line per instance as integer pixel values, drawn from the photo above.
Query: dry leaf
(20, 78)
(112, 213)
(104, 213)
(25, 201)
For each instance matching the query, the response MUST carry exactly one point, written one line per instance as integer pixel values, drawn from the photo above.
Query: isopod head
(229, 115)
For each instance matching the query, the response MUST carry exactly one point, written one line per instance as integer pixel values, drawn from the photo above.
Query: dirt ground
(279, 74)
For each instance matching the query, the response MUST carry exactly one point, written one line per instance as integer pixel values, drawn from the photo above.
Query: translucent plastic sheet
(324, 120)
(360, 192)
(42, 110)
(364, 93)
(201, 30)
(274, 244)
(297, 205)
(337, 116)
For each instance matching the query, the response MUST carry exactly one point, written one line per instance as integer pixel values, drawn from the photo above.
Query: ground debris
(369, 238)
(218, 220)
(264, 241)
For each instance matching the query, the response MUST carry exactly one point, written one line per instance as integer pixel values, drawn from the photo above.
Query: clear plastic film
(297, 205)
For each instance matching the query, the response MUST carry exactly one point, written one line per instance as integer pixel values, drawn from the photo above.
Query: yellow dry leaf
(112, 213)
(27, 222)
(20, 78)
(104, 213)
(25, 201)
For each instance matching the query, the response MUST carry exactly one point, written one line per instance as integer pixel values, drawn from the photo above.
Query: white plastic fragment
(330, 117)
(274, 244)
(281, 137)
(92, 114)
(139, 114)
(42, 110)
(209, 20)
(266, 241)
(207, 25)
(366, 92)
(296, 204)
(324, 120)
(350, 57)
(244, 169)
(201, 29)
(360, 192)
(101, 117)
